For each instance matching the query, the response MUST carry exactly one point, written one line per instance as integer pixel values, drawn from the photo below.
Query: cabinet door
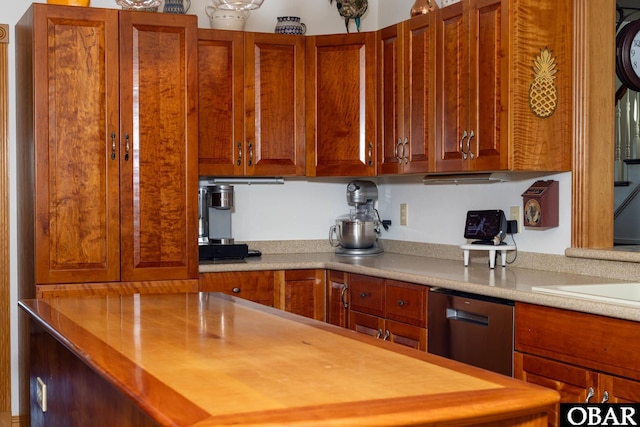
(274, 104)
(220, 102)
(337, 295)
(159, 152)
(488, 149)
(303, 293)
(366, 324)
(452, 79)
(77, 210)
(390, 100)
(256, 286)
(407, 335)
(419, 97)
(341, 118)
(571, 382)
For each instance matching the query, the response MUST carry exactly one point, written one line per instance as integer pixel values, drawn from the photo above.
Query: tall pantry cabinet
(107, 145)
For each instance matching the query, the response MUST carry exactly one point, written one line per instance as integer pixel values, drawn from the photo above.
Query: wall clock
(628, 55)
(540, 203)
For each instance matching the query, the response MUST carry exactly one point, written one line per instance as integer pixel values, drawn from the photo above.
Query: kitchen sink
(617, 293)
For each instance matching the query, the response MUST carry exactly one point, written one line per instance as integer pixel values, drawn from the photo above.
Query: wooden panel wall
(5, 339)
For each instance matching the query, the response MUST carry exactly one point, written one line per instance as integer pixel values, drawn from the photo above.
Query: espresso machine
(215, 204)
(357, 232)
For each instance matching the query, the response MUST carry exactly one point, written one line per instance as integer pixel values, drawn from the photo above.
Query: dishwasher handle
(467, 316)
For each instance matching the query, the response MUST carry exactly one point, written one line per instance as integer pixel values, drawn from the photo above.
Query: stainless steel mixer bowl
(353, 233)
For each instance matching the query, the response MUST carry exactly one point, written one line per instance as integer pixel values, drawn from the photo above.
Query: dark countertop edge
(329, 261)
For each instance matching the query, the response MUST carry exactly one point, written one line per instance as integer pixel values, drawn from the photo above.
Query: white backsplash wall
(306, 208)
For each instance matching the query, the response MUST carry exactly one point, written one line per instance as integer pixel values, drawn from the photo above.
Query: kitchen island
(205, 359)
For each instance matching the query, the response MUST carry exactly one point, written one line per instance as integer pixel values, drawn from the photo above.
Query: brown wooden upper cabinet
(251, 104)
(406, 100)
(341, 105)
(110, 109)
(503, 86)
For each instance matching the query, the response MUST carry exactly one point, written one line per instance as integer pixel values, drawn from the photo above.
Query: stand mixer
(357, 232)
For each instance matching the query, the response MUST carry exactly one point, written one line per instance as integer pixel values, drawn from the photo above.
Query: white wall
(305, 208)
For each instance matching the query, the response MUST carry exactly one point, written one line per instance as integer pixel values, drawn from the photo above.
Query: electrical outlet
(41, 394)
(404, 214)
(515, 214)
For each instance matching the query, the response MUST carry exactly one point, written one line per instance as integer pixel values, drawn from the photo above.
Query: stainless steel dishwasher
(472, 329)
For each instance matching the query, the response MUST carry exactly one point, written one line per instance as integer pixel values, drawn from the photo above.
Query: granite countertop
(514, 283)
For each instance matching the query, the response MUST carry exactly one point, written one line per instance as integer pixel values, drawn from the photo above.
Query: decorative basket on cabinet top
(70, 2)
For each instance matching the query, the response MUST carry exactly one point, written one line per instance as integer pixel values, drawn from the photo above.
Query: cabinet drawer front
(597, 342)
(256, 286)
(365, 324)
(367, 294)
(406, 303)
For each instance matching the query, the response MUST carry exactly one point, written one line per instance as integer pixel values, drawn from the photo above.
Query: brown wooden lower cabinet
(389, 309)
(584, 357)
(296, 291)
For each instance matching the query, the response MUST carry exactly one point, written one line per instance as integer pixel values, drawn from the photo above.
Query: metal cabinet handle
(397, 147)
(590, 394)
(363, 294)
(250, 154)
(235, 290)
(239, 162)
(386, 335)
(471, 135)
(404, 151)
(126, 147)
(379, 334)
(464, 136)
(343, 295)
(402, 303)
(605, 397)
(113, 145)
(370, 154)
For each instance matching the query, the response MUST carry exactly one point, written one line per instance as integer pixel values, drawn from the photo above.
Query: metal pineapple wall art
(351, 9)
(543, 93)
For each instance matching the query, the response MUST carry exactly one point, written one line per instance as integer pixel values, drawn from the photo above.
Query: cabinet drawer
(406, 303)
(367, 294)
(256, 286)
(601, 343)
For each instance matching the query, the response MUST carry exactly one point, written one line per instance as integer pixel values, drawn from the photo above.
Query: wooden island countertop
(209, 359)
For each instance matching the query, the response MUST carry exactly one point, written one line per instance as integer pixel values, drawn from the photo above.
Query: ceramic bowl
(221, 19)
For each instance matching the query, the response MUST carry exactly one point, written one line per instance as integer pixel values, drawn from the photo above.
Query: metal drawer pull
(235, 290)
(250, 154)
(239, 162)
(404, 149)
(379, 334)
(370, 153)
(605, 396)
(402, 303)
(465, 316)
(363, 294)
(113, 145)
(464, 136)
(126, 146)
(386, 335)
(343, 293)
(471, 155)
(590, 394)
